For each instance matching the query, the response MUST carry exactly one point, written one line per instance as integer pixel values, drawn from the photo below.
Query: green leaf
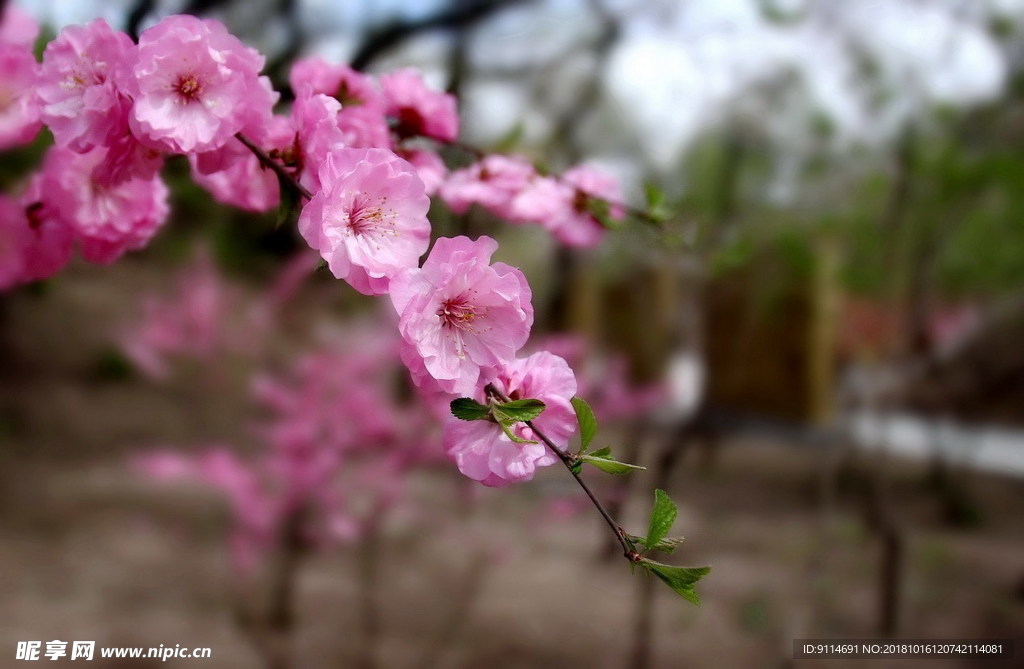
(657, 208)
(610, 466)
(601, 211)
(663, 515)
(466, 408)
(587, 421)
(605, 452)
(517, 411)
(666, 545)
(655, 196)
(507, 429)
(680, 579)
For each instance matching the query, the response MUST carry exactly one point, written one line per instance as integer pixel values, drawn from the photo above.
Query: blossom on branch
(19, 109)
(80, 103)
(107, 219)
(195, 85)
(417, 110)
(369, 221)
(463, 316)
(481, 449)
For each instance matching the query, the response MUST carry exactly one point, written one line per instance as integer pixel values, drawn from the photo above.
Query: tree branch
(284, 175)
(457, 15)
(628, 549)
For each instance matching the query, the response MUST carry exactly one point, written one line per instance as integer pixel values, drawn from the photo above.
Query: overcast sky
(681, 68)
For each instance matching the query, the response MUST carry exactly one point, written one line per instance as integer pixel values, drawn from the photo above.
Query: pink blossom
(369, 221)
(419, 110)
(582, 228)
(322, 126)
(51, 238)
(165, 465)
(19, 108)
(333, 399)
(15, 239)
(360, 116)
(347, 86)
(492, 183)
(314, 118)
(80, 103)
(463, 316)
(429, 167)
(108, 219)
(190, 321)
(483, 452)
(17, 27)
(604, 380)
(195, 85)
(543, 200)
(235, 177)
(127, 157)
(364, 126)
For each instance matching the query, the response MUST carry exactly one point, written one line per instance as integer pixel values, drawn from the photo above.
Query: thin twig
(628, 550)
(277, 167)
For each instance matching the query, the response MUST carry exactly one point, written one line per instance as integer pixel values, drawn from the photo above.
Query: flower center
(364, 218)
(456, 313)
(188, 88)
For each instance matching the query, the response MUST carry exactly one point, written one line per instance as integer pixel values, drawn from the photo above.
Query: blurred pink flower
(51, 244)
(80, 103)
(15, 239)
(463, 316)
(492, 183)
(347, 86)
(360, 116)
(188, 322)
(579, 226)
(17, 27)
(603, 379)
(19, 107)
(108, 219)
(418, 110)
(429, 166)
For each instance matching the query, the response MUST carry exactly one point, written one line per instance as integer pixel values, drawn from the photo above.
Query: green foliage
(666, 545)
(663, 516)
(466, 408)
(587, 422)
(609, 465)
(680, 579)
(517, 411)
(505, 414)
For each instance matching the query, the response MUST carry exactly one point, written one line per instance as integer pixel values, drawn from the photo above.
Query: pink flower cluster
(363, 152)
(510, 187)
(337, 450)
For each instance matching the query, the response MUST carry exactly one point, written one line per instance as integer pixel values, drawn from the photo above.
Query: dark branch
(139, 12)
(459, 15)
(284, 175)
(628, 550)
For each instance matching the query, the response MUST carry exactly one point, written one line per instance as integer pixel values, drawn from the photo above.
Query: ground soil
(92, 552)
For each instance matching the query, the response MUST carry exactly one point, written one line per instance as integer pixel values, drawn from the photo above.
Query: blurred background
(818, 354)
